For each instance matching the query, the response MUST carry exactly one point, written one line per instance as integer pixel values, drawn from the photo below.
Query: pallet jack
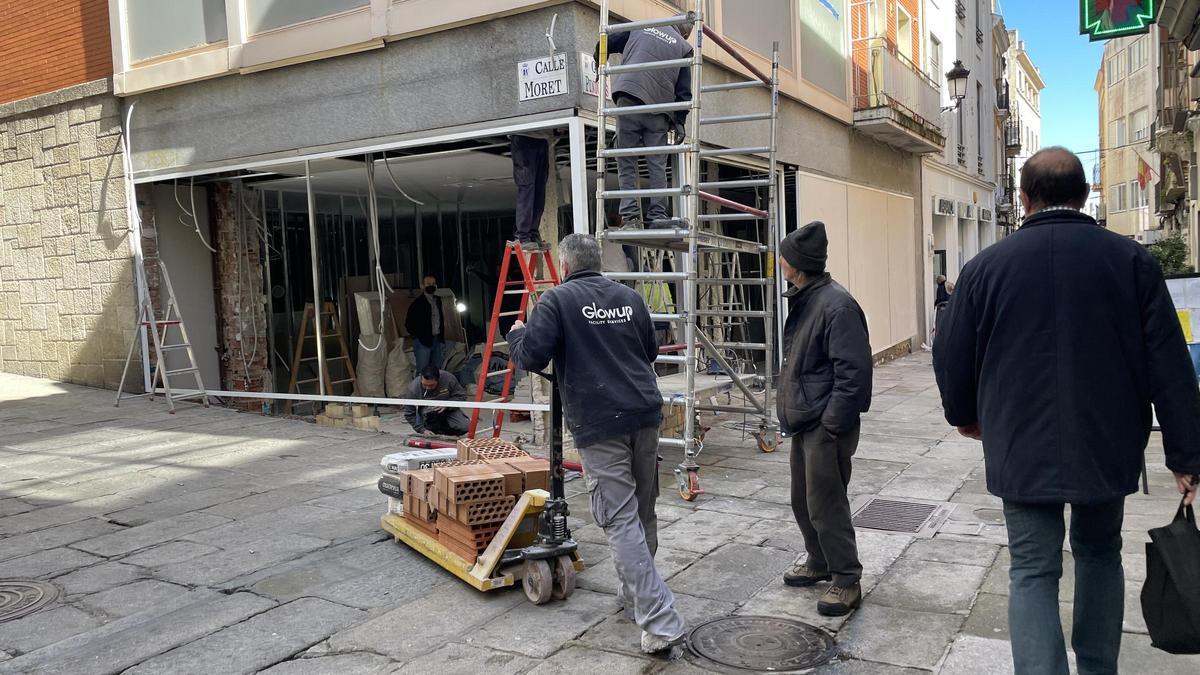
(533, 544)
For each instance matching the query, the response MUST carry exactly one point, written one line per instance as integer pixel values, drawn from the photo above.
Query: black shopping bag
(1171, 594)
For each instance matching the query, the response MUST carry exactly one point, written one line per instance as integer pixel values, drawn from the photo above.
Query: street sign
(1106, 19)
(542, 78)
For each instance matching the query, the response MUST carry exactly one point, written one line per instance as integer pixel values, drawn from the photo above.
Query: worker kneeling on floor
(436, 385)
(600, 337)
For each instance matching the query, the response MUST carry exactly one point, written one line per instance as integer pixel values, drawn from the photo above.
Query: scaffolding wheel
(768, 441)
(689, 483)
(538, 581)
(564, 577)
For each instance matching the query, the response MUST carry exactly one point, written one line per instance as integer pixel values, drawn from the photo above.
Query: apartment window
(904, 33)
(771, 21)
(1116, 132)
(823, 45)
(265, 15)
(1139, 125)
(1116, 198)
(1138, 55)
(935, 59)
(1114, 70)
(1138, 198)
(158, 28)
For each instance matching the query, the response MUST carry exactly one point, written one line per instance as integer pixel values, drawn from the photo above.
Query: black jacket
(1056, 341)
(419, 322)
(827, 368)
(599, 335)
(448, 389)
(664, 85)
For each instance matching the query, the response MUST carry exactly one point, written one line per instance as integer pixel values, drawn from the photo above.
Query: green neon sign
(1107, 19)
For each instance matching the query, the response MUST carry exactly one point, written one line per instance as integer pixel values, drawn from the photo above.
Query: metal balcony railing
(895, 81)
(1012, 138)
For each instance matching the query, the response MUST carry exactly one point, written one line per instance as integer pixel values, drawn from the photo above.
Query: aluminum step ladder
(532, 264)
(171, 325)
(697, 234)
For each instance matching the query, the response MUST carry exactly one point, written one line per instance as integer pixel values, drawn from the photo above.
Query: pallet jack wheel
(564, 577)
(538, 581)
(768, 442)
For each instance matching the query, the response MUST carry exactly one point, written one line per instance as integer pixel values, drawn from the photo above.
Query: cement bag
(371, 366)
(399, 371)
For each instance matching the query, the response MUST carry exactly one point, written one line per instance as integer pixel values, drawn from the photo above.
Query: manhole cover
(900, 515)
(761, 643)
(19, 598)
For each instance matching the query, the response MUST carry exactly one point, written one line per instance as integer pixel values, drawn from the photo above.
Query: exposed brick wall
(885, 26)
(241, 314)
(66, 276)
(46, 45)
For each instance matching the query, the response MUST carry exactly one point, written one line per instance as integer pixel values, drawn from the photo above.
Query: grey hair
(580, 253)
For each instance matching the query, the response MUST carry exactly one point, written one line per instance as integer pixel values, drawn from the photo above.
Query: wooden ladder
(331, 328)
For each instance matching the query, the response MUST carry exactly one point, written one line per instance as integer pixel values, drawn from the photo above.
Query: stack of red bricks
(464, 502)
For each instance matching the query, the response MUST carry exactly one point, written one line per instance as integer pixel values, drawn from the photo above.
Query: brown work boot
(803, 575)
(839, 600)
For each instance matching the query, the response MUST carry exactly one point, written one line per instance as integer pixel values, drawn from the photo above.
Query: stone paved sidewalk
(215, 542)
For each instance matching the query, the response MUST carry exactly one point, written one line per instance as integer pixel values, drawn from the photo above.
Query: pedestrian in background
(599, 335)
(426, 325)
(825, 385)
(1054, 347)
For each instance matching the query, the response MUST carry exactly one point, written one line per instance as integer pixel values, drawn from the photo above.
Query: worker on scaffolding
(436, 385)
(824, 387)
(600, 337)
(647, 87)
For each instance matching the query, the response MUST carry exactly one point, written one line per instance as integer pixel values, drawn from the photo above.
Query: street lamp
(958, 78)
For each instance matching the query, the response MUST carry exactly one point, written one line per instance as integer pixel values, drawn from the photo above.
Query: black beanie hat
(807, 248)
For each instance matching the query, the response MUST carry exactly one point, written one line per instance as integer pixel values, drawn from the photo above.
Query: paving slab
(898, 637)
(125, 643)
(703, 531)
(461, 658)
(132, 598)
(1138, 655)
(142, 536)
(174, 506)
(51, 516)
(779, 599)
(601, 575)
(929, 488)
(733, 572)
(449, 610)
(46, 564)
(618, 633)
(171, 552)
(409, 577)
(540, 631)
(256, 643)
(950, 551)
(927, 586)
(21, 545)
(577, 660)
(970, 655)
(240, 559)
(358, 663)
(878, 550)
(847, 666)
(45, 627)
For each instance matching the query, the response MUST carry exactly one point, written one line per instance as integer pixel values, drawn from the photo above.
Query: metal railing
(895, 81)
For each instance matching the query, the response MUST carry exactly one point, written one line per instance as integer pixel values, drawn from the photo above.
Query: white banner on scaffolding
(543, 78)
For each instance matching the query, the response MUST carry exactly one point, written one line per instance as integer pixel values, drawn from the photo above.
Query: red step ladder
(529, 286)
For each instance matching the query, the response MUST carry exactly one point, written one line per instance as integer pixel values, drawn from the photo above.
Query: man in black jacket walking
(824, 386)
(600, 337)
(1055, 345)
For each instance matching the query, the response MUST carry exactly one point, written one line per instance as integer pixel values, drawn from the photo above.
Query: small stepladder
(530, 285)
(171, 318)
(329, 327)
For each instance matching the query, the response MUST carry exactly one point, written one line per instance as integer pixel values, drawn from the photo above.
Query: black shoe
(802, 575)
(669, 224)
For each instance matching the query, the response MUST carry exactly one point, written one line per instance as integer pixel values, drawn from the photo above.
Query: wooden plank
(529, 505)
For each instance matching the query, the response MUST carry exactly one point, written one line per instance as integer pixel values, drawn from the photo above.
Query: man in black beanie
(824, 385)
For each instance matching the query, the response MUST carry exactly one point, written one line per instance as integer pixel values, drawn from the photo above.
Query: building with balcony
(1128, 87)
(230, 108)
(1023, 135)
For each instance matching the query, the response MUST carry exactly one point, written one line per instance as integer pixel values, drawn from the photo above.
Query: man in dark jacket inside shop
(1055, 344)
(825, 385)
(600, 337)
(426, 323)
(641, 130)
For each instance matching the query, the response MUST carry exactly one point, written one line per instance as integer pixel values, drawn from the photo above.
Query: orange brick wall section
(46, 45)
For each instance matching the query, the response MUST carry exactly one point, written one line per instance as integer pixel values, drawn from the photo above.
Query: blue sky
(1068, 63)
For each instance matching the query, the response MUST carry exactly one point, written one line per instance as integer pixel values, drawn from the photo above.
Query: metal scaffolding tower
(705, 255)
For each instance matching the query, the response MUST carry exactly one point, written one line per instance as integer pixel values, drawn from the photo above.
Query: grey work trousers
(622, 477)
(820, 473)
(641, 131)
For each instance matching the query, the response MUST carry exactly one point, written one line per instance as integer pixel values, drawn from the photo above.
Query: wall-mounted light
(461, 307)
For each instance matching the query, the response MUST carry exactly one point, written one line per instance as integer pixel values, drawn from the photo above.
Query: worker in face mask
(425, 324)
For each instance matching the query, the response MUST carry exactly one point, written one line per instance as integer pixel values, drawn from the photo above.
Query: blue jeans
(1035, 538)
(427, 356)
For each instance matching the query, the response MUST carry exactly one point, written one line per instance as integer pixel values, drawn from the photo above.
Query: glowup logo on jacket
(599, 315)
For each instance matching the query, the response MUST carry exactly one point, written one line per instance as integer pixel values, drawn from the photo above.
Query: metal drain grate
(761, 643)
(19, 597)
(900, 515)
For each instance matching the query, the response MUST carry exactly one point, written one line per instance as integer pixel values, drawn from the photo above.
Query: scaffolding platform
(674, 388)
(677, 240)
